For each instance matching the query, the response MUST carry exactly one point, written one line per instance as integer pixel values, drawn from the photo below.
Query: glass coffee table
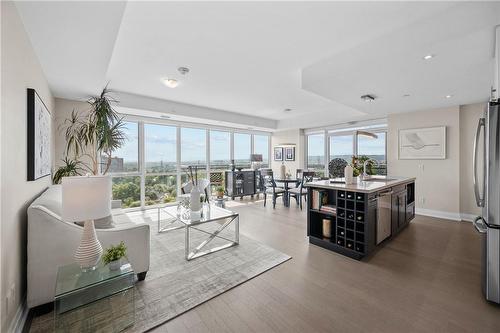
(170, 215)
(97, 300)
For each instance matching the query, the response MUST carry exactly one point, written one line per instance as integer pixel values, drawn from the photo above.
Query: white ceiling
(258, 58)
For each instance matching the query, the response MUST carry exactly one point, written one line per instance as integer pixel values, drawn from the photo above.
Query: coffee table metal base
(197, 251)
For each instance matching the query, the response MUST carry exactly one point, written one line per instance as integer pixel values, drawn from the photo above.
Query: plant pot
(115, 265)
(220, 194)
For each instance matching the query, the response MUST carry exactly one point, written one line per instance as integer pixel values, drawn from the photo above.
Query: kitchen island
(354, 219)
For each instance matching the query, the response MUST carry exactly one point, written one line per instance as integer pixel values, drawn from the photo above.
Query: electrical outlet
(422, 200)
(421, 167)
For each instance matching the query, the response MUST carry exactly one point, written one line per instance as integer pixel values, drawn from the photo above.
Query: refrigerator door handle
(479, 199)
(480, 226)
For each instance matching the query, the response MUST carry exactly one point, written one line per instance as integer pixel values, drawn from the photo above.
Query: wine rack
(351, 221)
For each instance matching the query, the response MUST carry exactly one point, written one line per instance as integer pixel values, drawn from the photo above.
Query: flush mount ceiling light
(406, 95)
(164, 116)
(171, 83)
(183, 70)
(448, 96)
(429, 56)
(368, 98)
(287, 110)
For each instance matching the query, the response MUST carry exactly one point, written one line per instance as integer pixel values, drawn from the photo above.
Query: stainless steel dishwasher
(383, 215)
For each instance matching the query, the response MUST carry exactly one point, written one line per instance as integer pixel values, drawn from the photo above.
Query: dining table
(286, 186)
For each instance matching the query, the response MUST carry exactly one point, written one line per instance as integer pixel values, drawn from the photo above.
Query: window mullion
(142, 168)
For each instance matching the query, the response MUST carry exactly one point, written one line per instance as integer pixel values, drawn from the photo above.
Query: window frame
(142, 121)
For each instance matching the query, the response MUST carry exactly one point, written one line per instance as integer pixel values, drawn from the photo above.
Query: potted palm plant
(219, 191)
(91, 138)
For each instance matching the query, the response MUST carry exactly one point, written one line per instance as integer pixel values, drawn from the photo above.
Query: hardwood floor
(427, 279)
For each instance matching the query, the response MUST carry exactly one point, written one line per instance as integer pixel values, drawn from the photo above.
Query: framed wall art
(278, 153)
(422, 143)
(39, 137)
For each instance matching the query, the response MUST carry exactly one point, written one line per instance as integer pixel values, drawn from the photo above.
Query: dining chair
(203, 185)
(299, 191)
(270, 187)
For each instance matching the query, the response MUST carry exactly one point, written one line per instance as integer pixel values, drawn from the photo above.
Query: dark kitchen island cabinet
(361, 216)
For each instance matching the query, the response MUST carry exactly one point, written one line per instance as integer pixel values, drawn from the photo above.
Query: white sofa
(52, 243)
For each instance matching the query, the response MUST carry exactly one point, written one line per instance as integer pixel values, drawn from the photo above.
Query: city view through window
(163, 175)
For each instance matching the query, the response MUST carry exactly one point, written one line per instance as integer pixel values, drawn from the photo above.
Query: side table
(98, 300)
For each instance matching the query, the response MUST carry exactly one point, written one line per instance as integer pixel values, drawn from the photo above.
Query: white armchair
(52, 243)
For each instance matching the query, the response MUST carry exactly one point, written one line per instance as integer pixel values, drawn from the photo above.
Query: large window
(375, 149)
(261, 146)
(341, 146)
(126, 159)
(150, 167)
(194, 151)
(160, 152)
(316, 153)
(220, 150)
(242, 150)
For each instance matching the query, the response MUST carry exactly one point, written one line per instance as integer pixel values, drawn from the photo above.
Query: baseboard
(445, 215)
(438, 214)
(17, 324)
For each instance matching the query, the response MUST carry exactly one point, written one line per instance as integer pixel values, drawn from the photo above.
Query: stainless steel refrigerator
(486, 179)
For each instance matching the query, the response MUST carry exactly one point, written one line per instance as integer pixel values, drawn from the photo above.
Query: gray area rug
(174, 285)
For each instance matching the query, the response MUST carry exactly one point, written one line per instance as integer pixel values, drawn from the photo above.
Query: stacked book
(319, 198)
(331, 209)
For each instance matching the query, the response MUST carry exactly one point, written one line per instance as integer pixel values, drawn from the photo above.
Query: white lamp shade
(86, 198)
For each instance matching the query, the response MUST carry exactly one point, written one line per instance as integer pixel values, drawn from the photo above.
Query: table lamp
(84, 199)
(256, 159)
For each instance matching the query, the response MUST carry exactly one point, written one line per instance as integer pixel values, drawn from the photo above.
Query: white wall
(20, 70)
(443, 187)
(295, 137)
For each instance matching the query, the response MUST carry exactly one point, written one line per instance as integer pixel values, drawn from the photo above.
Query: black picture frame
(278, 153)
(289, 153)
(39, 137)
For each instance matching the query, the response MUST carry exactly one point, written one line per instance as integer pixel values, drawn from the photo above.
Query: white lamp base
(89, 251)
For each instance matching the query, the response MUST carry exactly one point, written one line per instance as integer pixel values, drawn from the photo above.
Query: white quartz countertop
(377, 183)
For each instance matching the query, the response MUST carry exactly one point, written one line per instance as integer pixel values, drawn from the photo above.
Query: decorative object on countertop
(289, 153)
(348, 175)
(358, 165)
(39, 137)
(94, 135)
(422, 143)
(327, 228)
(336, 167)
(113, 255)
(85, 199)
(278, 153)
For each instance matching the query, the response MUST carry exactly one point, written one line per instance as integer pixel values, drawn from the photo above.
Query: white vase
(348, 174)
(89, 251)
(282, 171)
(115, 265)
(195, 204)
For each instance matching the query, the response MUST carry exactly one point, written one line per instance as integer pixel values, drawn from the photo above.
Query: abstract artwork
(278, 153)
(422, 143)
(39, 137)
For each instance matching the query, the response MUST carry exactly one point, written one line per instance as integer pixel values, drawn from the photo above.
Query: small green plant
(114, 252)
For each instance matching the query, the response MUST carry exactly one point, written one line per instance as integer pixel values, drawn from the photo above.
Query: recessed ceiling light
(164, 116)
(448, 96)
(368, 98)
(429, 56)
(406, 95)
(171, 83)
(287, 110)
